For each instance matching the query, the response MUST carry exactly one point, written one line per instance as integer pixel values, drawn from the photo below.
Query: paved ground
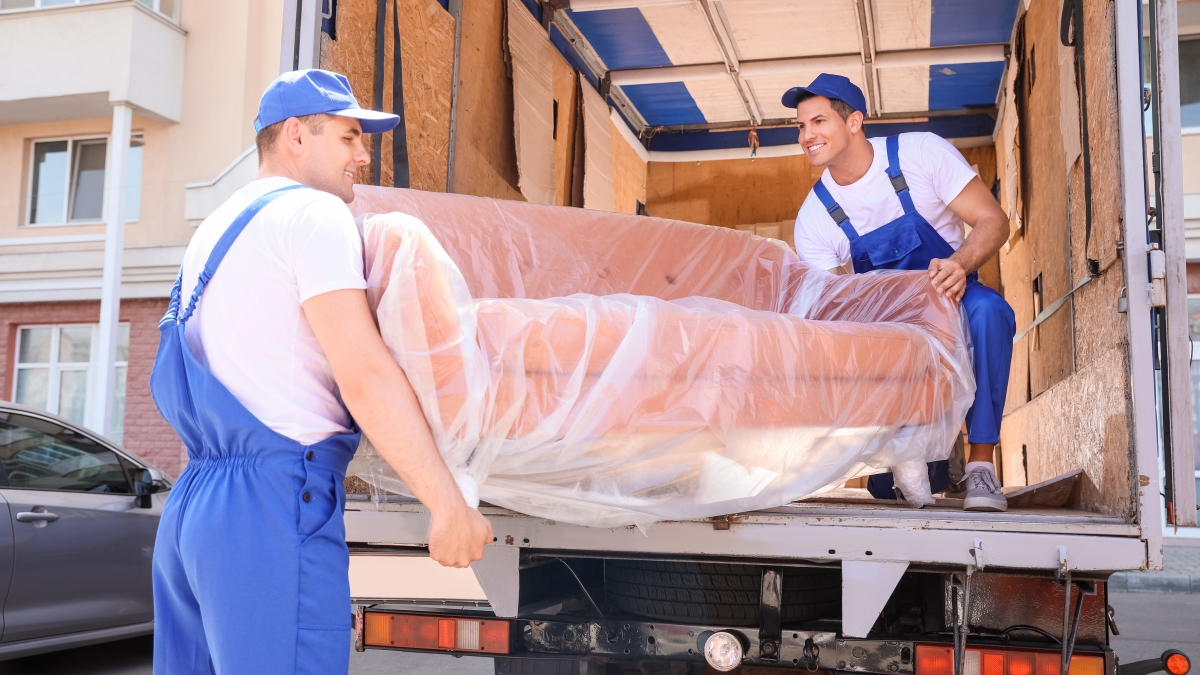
(1154, 615)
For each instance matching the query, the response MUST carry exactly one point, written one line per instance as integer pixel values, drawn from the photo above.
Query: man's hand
(948, 277)
(383, 403)
(456, 539)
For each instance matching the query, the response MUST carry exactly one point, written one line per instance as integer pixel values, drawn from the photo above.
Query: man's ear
(293, 134)
(855, 122)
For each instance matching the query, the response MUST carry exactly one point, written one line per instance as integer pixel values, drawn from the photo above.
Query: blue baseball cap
(829, 86)
(314, 92)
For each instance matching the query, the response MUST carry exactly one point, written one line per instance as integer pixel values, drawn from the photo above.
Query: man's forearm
(386, 409)
(986, 237)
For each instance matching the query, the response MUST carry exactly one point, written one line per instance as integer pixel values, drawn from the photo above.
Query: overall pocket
(900, 240)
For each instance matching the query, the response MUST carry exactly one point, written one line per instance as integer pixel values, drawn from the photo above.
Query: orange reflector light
(1178, 664)
(437, 633)
(939, 660)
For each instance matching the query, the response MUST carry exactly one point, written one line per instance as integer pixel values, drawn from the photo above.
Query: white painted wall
(80, 56)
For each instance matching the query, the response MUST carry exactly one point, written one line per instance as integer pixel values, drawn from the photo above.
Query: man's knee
(989, 312)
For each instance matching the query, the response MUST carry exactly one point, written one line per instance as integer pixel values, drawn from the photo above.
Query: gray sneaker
(983, 492)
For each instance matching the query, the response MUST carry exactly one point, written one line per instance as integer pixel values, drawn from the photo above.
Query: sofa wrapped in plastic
(607, 369)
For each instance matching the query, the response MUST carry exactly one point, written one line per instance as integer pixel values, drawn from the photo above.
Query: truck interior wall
(485, 153)
(1068, 399)
(427, 50)
(566, 106)
(730, 192)
(629, 174)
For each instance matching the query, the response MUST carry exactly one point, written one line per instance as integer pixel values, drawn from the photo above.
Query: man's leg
(270, 568)
(179, 644)
(992, 325)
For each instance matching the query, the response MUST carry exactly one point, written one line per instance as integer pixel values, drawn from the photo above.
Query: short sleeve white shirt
(935, 172)
(249, 328)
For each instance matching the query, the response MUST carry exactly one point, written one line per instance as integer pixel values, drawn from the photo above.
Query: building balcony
(76, 61)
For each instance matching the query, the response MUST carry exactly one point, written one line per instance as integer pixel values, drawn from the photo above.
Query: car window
(41, 455)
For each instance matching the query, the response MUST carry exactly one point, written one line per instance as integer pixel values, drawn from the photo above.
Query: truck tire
(715, 593)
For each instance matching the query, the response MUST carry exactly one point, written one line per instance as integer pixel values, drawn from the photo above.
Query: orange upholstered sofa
(606, 368)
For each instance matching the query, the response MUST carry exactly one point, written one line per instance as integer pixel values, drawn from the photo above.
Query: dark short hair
(839, 106)
(266, 138)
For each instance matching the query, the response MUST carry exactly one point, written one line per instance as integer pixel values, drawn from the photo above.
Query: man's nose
(361, 156)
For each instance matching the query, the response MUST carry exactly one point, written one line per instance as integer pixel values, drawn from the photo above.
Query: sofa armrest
(891, 297)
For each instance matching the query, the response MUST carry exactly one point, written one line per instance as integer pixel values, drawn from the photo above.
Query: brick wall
(147, 434)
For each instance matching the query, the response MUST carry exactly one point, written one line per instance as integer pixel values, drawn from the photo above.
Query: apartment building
(177, 83)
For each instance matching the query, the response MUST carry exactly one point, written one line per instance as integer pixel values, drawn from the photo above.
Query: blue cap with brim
(829, 86)
(316, 92)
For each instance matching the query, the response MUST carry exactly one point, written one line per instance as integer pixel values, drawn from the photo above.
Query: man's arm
(976, 206)
(382, 401)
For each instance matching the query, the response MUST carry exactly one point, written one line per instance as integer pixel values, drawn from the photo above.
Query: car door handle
(37, 517)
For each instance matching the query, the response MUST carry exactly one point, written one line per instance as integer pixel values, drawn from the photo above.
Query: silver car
(78, 517)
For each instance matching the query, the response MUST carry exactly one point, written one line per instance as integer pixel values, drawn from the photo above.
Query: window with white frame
(54, 364)
(168, 8)
(66, 180)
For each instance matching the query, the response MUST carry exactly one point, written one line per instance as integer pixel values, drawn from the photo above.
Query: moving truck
(670, 108)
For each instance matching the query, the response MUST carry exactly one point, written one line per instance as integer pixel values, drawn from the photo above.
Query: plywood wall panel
(1098, 327)
(629, 174)
(1047, 216)
(1096, 439)
(597, 152)
(533, 103)
(729, 192)
(427, 50)
(353, 55)
(566, 83)
(427, 55)
(485, 156)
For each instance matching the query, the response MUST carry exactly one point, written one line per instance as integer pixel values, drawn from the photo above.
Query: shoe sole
(984, 504)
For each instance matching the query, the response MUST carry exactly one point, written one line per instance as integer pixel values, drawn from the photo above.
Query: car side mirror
(141, 488)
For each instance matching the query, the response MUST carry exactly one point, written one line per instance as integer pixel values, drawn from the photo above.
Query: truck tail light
(435, 633)
(939, 660)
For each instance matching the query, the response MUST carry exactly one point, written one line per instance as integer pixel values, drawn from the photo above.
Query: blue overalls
(250, 564)
(910, 243)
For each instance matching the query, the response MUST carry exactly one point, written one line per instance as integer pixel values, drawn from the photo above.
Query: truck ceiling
(696, 74)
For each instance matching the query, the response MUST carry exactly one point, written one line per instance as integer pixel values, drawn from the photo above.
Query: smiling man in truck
(268, 370)
(900, 203)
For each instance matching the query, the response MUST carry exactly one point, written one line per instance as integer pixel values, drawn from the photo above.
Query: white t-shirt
(249, 328)
(935, 172)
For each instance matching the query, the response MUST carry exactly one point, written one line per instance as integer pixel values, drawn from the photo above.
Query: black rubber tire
(718, 594)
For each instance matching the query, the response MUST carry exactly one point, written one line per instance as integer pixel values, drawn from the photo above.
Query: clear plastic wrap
(607, 370)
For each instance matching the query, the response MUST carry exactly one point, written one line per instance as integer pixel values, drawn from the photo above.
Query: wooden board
(485, 156)
(729, 192)
(1053, 493)
(629, 173)
(565, 91)
(427, 54)
(353, 55)
(427, 50)
(533, 104)
(597, 152)
(1080, 423)
(1047, 218)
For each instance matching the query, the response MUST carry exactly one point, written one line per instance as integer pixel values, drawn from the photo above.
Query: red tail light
(439, 633)
(939, 660)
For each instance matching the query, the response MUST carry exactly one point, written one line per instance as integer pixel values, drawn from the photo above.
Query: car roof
(9, 406)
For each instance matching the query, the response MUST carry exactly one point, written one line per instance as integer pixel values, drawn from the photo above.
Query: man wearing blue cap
(268, 370)
(900, 203)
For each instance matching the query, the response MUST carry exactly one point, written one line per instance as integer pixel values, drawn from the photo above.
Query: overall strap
(894, 174)
(839, 216)
(226, 240)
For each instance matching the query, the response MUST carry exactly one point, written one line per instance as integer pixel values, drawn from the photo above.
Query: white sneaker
(983, 491)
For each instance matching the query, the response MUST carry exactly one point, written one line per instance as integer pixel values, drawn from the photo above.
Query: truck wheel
(717, 593)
